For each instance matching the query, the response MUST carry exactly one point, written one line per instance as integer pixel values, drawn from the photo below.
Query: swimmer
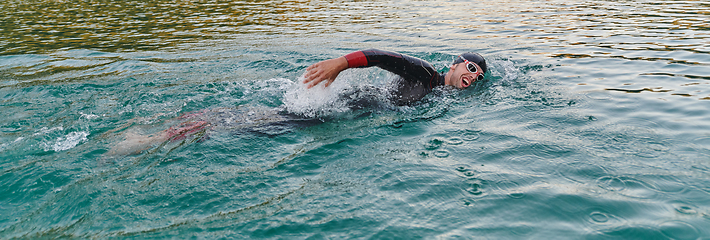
(416, 79)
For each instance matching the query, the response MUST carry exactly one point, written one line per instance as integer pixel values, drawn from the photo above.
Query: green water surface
(593, 121)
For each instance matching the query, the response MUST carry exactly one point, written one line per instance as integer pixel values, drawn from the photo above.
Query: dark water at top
(593, 122)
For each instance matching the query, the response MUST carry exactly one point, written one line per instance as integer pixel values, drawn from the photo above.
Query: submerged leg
(185, 130)
(135, 143)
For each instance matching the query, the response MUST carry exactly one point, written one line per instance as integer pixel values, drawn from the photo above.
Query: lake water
(592, 123)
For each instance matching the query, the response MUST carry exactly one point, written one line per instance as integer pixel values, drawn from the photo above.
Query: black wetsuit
(416, 79)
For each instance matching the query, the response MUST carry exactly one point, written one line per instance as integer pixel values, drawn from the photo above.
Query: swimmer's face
(465, 74)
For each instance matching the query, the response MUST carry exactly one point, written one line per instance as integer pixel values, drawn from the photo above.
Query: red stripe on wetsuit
(356, 59)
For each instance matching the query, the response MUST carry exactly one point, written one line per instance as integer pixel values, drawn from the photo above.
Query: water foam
(89, 116)
(67, 142)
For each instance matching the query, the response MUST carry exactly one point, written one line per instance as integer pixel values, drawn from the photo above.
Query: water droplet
(470, 135)
(599, 217)
(468, 201)
(441, 154)
(475, 187)
(454, 141)
(684, 209)
(433, 144)
(474, 190)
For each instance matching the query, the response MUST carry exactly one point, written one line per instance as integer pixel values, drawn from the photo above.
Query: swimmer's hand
(326, 70)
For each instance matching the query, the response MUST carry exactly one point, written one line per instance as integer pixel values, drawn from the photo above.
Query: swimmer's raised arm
(329, 69)
(326, 70)
(409, 68)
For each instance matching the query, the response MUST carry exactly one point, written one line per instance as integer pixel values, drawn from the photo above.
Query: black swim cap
(474, 58)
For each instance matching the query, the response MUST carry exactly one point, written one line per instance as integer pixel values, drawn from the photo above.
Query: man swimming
(416, 79)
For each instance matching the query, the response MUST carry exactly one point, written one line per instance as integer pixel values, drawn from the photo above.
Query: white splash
(318, 101)
(509, 71)
(89, 116)
(67, 142)
(46, 130)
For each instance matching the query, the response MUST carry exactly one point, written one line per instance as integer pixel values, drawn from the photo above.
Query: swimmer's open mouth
(466, 82)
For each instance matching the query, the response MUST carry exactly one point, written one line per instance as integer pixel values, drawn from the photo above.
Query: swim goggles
(473, 68)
